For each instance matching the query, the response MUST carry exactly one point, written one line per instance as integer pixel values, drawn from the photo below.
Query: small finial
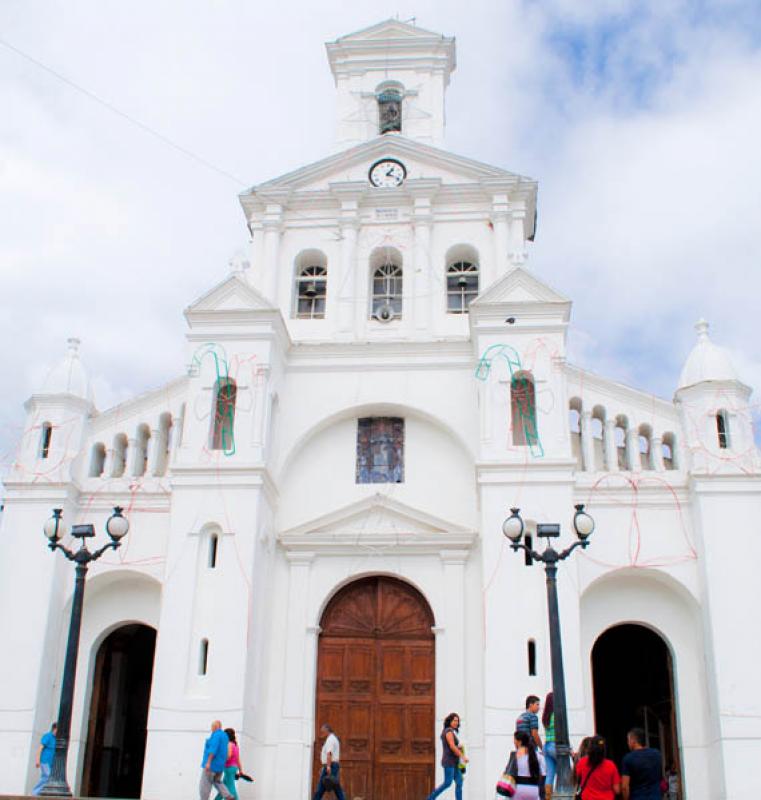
(73, 345)
(701, 326)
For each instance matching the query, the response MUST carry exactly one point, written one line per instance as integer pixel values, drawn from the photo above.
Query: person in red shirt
(596, 775)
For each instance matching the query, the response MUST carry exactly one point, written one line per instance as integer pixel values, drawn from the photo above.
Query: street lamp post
(116, 527)
(513, 530)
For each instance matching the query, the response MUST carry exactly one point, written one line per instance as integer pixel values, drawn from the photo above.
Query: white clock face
(387, 173)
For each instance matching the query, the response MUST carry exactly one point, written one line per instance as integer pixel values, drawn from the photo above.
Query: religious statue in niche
(380, 450)
(390, 110)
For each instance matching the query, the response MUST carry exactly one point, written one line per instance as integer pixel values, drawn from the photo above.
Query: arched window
(462, 284)
(97, 460)
(669, 451)
(203, 657)
(531, 657)
(598, 438)
(386, 264)
(120, 455)
(141, 456)
(619, 433)
(574, 423)
(311, 287)
(390, 107)
(645, 439)
(213, 550)
(523, 409)
(722, 429)
(46, 434)
(222, 437)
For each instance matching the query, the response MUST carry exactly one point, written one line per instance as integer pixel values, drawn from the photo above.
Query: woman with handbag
(451, 757)
(597, 776)
(527, 767)
(232, 765)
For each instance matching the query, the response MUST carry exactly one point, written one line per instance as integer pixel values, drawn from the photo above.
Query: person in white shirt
(329, 757)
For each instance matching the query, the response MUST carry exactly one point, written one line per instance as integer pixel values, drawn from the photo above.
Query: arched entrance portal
(375, 687)
(116, 731)
(634, 688)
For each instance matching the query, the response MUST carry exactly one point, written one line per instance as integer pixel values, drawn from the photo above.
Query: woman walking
(527, 767)
(450, 758)
(232, 765)
(550, 756)
(596, 775)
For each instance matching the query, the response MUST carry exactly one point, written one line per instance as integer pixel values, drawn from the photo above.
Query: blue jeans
(551, 760)
(334, 768)
(450, 774)
(44, 777)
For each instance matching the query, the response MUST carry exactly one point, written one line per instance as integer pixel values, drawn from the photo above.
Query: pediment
(232, 294)
(519, 286)
(377, 516)
(351, 166)
(388, 29)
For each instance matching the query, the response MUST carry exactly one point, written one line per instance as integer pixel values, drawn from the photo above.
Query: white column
(108, 463)
(131, 458)
(155, 452)
(632, 450)
(422, 269)
(295, 647)
(347, 279)
(656, 454)
(261, 399)
(500, 219)
(518, 233)
(587, 443)
(272, 225)
(611, 451)
(451, 660)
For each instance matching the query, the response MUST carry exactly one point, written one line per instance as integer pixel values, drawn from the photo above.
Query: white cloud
(645, 147)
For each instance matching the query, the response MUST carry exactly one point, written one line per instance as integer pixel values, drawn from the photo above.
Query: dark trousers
(334, 769)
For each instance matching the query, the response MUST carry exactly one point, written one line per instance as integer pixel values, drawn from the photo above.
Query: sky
(129, 129)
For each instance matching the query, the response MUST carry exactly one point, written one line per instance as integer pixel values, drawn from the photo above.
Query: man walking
(45, 758)
(213, 763)
(528, 721)
(641, 769)
(329, 757)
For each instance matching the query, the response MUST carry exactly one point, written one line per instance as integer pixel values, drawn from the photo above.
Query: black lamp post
(512, 527)
(116, 527)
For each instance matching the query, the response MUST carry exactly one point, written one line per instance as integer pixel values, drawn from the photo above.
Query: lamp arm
(70, 554)
(567, 552)
(99, 552)
(534, 555)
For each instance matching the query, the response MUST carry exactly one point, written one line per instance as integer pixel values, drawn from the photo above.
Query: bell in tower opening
(390, 110)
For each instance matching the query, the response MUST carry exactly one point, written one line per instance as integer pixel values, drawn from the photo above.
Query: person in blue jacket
(45, 758)
(213, 763)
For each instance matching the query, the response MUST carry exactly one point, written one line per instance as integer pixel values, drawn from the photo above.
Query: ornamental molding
(378, 524)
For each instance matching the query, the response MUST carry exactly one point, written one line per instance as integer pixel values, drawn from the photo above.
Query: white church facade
(316, 503)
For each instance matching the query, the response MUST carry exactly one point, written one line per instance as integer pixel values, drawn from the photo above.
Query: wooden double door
(375, 688)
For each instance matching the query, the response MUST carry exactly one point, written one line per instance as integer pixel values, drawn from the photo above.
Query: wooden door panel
(375, 686)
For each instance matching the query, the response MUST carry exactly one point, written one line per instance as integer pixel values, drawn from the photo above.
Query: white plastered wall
(655, 600)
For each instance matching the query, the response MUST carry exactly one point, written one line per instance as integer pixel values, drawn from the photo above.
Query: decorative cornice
(376, 544)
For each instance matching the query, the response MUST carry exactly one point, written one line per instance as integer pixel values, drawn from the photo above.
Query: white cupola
(706, 362)
(391, 79)
(715, 411)
(56, 421)
(69, 377)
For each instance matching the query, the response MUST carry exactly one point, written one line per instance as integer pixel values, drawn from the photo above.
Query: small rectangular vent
(386, 213)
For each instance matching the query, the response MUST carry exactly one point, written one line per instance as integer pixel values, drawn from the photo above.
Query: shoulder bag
(583, 786)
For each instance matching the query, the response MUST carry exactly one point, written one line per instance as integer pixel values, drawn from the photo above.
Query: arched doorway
(375, 687)
(116, 733)
(633, 680)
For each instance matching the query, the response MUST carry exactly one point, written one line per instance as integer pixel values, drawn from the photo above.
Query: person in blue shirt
(641, 769)
(45, 758)
(213, 763)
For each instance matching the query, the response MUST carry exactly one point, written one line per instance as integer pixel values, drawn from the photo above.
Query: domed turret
(69, 376)
(706, 362)
(713, 405)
